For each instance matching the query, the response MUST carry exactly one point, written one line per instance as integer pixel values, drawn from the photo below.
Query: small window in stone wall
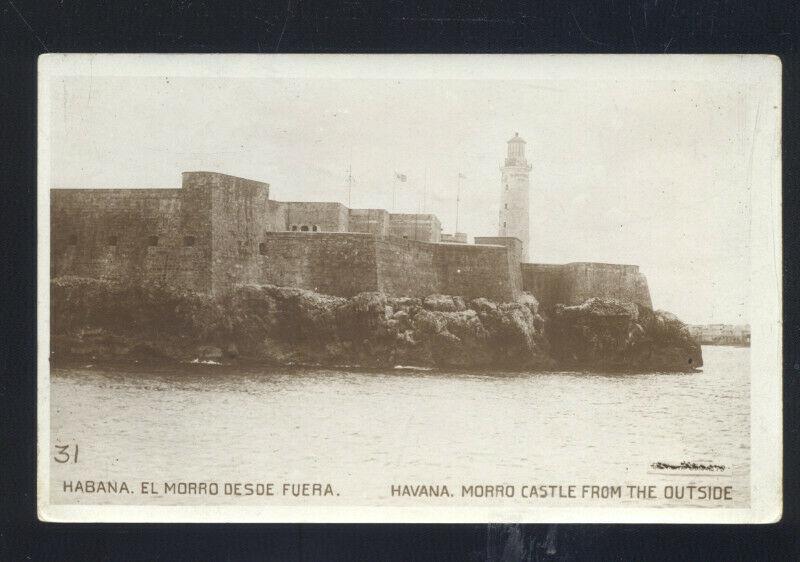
(294, 228)
(112, 240)
(189, 240)
(315, 228)
(152, 240)
(304, 228)
(72, 240)
(262, 248)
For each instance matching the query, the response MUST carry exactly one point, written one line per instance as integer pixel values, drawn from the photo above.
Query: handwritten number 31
(64, 454)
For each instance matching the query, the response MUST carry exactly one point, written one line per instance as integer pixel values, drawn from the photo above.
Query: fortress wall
(574, 283)
(410, 226)
(194, 220)
(515, 244)
(333, 264)
(277, 220)
(543, 281)
(373, 221)
(478, 271)
(220, 231)
(641, 290)
(93, 218)
(583, 281)
(328, 217)
(239, 217)
(346, 264)
(514, 271)
(406, 267)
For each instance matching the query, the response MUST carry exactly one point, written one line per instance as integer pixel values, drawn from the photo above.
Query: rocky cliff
(613, 335)
(104, 320)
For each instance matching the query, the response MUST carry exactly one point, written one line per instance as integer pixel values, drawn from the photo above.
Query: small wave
(198, 361)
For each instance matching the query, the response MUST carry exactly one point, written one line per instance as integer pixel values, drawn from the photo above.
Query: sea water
(363, 431)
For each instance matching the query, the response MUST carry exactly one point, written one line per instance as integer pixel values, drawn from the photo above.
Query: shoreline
(170, 365)
(101, 321)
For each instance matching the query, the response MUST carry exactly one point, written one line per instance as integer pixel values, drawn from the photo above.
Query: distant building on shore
(721, 334)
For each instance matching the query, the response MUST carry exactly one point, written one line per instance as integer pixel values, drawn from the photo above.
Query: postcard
(417, 288)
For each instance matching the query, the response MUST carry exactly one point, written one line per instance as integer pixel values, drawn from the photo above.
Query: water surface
(363, 431)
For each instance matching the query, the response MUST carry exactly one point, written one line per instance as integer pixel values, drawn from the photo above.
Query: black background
(28, 29)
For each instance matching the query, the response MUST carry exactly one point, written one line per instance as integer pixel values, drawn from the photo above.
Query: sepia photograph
(424, 288)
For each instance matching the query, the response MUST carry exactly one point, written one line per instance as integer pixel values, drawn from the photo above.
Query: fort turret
(514, 195)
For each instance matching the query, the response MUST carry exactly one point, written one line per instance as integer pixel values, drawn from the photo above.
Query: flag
(401, 177)
(461, 176)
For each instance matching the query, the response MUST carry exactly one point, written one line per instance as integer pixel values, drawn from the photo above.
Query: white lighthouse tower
(514, 194)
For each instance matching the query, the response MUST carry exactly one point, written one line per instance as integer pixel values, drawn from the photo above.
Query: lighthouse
(514, 194)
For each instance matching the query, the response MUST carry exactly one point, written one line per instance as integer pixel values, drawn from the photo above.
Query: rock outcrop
(294, 326)
(611, 335)
(280, 325)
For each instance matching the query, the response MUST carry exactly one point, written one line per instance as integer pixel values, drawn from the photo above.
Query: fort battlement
(200, 180)
(346, 264)
(574, 283)
(218, 231)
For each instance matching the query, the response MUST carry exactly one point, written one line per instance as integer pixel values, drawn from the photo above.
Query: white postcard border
(765, 292)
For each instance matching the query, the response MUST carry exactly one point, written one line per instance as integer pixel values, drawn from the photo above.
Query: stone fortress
(218, 231)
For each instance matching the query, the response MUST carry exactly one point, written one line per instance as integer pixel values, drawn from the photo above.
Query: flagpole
(398, 177)
(350, 177)
(416, 223)
(425, 189)
(349, 183)
(458, 198)
(419, 211)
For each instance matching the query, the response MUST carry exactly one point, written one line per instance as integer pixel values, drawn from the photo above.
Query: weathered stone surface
(219, 232)
(444, 303)
(605, 334)
(294, 326)
(284, 325)
(573, 283)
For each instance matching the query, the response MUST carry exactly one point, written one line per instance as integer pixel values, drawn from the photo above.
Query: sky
(648, 172)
